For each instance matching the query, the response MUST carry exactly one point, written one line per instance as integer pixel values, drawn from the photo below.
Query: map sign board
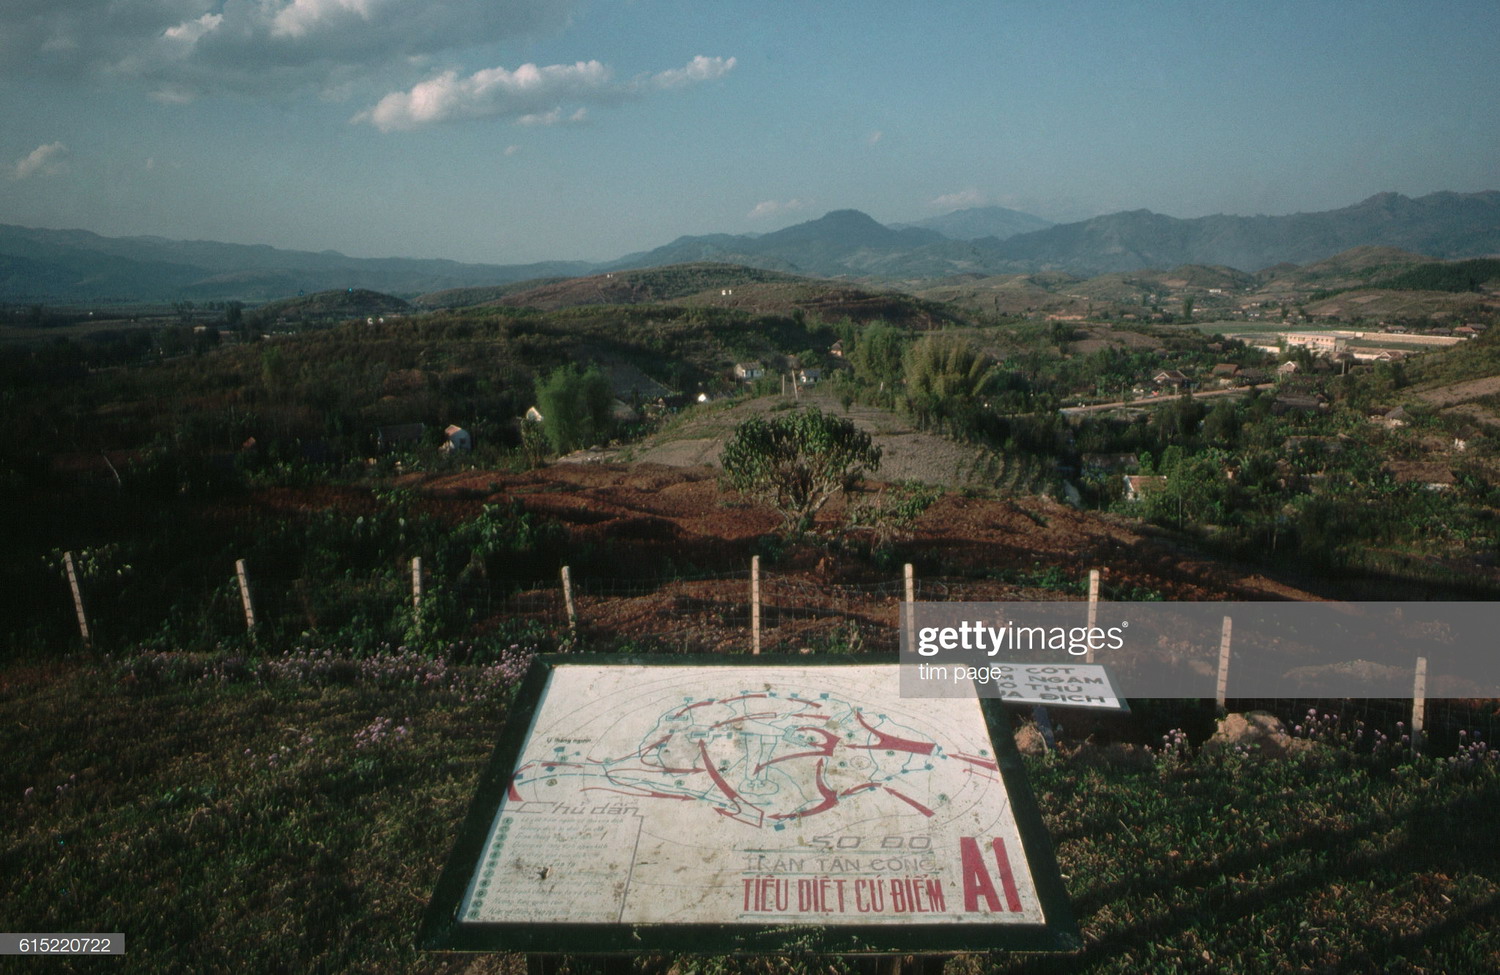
(748, 804)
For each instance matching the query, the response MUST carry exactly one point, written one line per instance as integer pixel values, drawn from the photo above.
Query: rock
(1029, 740)
(1262, 733)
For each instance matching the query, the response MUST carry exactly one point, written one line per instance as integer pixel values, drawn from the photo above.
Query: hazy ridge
(76, 265)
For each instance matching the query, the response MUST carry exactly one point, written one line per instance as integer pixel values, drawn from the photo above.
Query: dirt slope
(636, 517)
(907, 454)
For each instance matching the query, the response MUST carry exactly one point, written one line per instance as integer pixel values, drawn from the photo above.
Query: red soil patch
(646, 509)
(638, 514)
(630, 525)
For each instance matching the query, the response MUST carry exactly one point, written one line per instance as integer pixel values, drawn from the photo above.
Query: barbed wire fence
(729, 612)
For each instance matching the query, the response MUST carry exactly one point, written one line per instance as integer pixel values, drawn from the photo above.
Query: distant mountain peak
(1382, 201)
(976, 223)
(848, 216)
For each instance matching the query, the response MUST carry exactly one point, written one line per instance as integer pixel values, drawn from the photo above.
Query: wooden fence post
(1221, 694)
(244, 577)
(83, 620)
(567, 587)
(755, 604)
(1093, 611)
(910, 577)
(416, 589)
(1418, 705)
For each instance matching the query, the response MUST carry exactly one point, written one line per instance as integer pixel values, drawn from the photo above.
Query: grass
(278, 824)
(232, 815)
(1317, 863)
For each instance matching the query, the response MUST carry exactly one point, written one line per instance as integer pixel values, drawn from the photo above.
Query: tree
(574, 407)
(947, 380)
(797, 461)
(1221, 427)
(1197, 492)
(877, 355)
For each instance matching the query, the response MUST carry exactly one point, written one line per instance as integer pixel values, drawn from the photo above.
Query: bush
(797, 461)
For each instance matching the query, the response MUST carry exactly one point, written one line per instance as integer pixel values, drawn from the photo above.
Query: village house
(1316, 342)
(748, 372)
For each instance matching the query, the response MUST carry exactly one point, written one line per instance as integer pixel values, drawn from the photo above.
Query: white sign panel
(751, 794)
(1067, 685)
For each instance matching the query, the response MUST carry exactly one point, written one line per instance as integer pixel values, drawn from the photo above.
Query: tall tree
(877, 354)
(946, 378)
(574, 407)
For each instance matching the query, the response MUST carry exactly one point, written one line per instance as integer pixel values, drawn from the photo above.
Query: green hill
(1447, 276)
(329, 306)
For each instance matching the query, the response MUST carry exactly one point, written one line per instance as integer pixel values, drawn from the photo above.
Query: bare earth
(907, 454)
(639, 515)
(1462, 392)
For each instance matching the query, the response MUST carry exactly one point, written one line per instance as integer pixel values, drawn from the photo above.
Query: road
(1148, 401)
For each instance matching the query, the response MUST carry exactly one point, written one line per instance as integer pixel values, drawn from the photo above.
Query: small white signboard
(1056, 685)
(725, 801)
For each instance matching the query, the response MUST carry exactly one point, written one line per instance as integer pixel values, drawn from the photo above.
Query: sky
(512, 131)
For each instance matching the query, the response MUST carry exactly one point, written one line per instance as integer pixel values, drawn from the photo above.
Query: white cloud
(541, 118)
(874, 137)
(961, 200)
(189, 31)
(555, 117)
(772, 208)
(47, 160)
(529, 95)
(698, 69)
(199, 47)
(302, 17)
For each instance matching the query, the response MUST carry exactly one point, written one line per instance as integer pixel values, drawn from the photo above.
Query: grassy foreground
(292, 815)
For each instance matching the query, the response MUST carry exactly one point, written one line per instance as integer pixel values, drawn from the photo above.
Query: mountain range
(78, 266)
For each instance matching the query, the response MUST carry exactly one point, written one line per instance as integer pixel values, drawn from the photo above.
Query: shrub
(797, 461)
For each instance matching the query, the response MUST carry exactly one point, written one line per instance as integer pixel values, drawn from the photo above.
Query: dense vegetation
(1296, 476)
(123, 441)
(1450, 276)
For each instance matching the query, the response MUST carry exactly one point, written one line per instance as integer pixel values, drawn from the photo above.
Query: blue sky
(518, 130)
